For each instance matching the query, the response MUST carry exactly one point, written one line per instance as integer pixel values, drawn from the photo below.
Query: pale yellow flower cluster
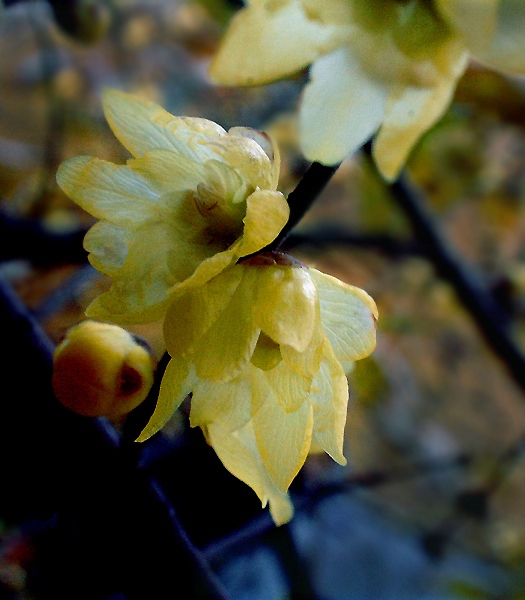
(384, 67)
(260, 342)
(192, 201)
(261, 347)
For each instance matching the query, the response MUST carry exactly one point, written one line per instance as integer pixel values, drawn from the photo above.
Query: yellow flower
(385, 66)
(100, 370)
(191, 201)
(261, 346)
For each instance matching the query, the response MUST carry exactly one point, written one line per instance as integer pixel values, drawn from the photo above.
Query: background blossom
(384, 67)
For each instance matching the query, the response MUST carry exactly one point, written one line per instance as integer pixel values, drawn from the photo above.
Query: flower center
(223, 220)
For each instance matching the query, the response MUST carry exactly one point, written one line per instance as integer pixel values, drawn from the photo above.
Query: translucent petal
(264, 179)
(209, 268)
(140, 288)
(141, 126)
(166, 171)
(329, 398)
(267, 213)
(268, 41)
(348, 315)
(266, 354)
(283, 440)
(475, 20)
(229, 402)
(285, 307)
(356, 107)
(191, 313)
(289, 388)
(176, 384)
(107, 307)
(229, 343)
(107, 191)
(239, 453)
(410, 112)
(306, 363)
(107, 247)
(260, 388)
(247, 157)
(507, 48)
(335, 12)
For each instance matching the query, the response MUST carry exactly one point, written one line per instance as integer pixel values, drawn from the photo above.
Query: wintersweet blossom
(192, 200)
(388, 67)
(262, 347)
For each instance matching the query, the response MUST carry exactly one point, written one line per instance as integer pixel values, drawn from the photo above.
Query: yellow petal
(108, 307)
(228, 402)
(107, 247)
(267, 213)
(348, 315)
(266, 354)
(289, 388)
(245, 154)
(140, 287)
(107, 191)
(176, 384)
(307, 362)
(192, 312)
(166, 171)
(475, 20)
(229, 343)
(329, 398)
(209, 268)
(141, 126)
(341, 108)
(268, 41)
(286, 305)
(283, 439)
(258, 171)
(410, 112)
(239, 453)
(507, 48)
(335, 12)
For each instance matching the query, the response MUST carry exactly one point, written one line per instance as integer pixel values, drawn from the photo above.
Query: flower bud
(101, 370)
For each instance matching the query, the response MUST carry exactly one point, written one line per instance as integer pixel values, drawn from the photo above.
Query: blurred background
(432, 503)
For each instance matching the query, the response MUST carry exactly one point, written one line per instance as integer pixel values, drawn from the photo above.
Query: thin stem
(329, 234)
(301, 199)
(491, 320)
(120, 527)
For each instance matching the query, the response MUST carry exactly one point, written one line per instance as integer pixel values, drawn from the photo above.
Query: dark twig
(262, 524)
(329, 234)
(491, 320)
(117, 531)
(304, 195)
(301, 199)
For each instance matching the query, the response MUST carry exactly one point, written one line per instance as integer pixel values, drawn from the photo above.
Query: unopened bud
(101, 370)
